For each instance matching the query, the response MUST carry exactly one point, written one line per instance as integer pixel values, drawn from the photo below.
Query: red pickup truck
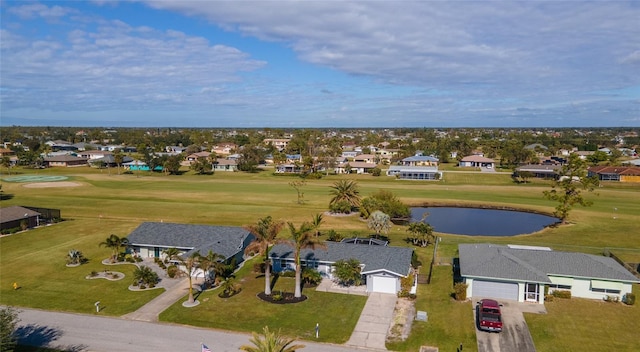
(489, 316)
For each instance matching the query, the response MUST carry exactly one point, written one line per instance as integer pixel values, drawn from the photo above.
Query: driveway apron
(515, 334)
(376, 318)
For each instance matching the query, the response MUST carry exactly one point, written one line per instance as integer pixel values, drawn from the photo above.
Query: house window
(283, 264)
(605, 290)
(311, 264)
(559, 287)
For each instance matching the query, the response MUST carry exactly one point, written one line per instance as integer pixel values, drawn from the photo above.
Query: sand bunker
(51, 184)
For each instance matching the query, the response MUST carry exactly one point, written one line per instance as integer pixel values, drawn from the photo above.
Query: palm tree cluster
(270, 341)
(265, 231)
(145, 276)
(75, 257)
(193, 262)
(116, 244)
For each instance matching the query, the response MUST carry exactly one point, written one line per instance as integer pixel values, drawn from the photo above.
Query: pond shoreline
(480, 206)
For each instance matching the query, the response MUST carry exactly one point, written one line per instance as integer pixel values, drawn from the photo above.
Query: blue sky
(320, 63)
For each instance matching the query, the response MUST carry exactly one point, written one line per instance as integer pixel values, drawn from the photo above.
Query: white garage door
(493, 289)
(384, 284)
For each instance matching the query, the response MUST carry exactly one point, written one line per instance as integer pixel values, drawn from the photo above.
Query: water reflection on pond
(481, 222)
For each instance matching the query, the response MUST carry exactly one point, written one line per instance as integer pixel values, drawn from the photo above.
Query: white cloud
(416, 63)
(521, 46)
(115, 65)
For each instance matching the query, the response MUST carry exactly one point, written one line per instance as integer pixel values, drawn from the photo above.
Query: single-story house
(195, 156)
(355, 167)
(476, 161)
(150, 239)
(18, 217)
(420, 160)
(288, 169)
(65, 161)
(539, 171)
(414, 172)
(225, 165)
(137, 165)
(521, 273)
(93, 154)
(615, 173)
(110, 161)
(382, 266)
(365, 158)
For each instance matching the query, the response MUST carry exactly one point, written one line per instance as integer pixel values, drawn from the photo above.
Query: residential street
(78, 332)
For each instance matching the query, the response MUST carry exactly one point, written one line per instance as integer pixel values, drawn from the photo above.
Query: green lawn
(109, 203)
(579, 324)
(336, 313)
(35, 260)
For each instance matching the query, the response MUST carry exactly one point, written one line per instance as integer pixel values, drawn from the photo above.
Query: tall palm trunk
(267, 277)
(191, 299)
(298, 292)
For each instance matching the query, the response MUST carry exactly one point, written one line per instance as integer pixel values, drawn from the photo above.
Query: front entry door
(531, 292)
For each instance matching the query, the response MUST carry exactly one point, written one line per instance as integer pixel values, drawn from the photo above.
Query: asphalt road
(78, 332)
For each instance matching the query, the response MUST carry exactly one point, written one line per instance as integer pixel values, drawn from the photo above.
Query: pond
(482, 222)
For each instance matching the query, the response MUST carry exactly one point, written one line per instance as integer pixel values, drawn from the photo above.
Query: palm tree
(345, 191)
(300, 239)
(115, 243)
(171, 253)
(190, 263)
(265, 231)
(74, 257)
(145, 275)
(316, 222)
(270, 342)
(210, 261)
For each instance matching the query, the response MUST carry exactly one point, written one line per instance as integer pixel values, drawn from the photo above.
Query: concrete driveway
(376, 318)
(515, 334)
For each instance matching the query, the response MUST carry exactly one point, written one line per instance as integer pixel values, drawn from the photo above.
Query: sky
(320, 64)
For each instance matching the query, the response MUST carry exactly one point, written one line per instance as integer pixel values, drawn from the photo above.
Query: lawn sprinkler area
(35, 178)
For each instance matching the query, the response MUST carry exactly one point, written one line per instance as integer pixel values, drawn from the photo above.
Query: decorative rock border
(108, 275)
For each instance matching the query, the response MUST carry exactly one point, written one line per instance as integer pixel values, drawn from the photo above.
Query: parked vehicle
(489, 315)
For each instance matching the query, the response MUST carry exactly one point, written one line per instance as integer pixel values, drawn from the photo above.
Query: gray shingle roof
(16, 213)
(493, 261)
(374, 258)
(225, 240)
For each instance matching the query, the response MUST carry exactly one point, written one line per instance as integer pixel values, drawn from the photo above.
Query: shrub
(142, 287)
(548, 298)
(311, 276)
(460, 291)
(341, 207)
(288, 273)
(277, 296)
(333, 236)
(612, 299)
(172, 271)
(376, 171)
(93, 274)
(405, 285)
(561, 294)
(630, 299)
(259, 268)
(135, 283)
